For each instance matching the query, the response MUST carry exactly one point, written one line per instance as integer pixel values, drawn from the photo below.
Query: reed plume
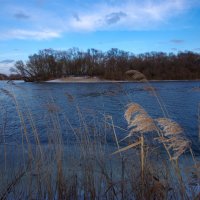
(136, 75)
(172, 137)
(138, 120)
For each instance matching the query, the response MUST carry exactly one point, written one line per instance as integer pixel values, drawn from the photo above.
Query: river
(74, 105)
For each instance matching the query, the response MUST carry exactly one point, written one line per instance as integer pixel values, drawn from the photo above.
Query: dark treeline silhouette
(48, 64)
(10, 77)
(3, 77)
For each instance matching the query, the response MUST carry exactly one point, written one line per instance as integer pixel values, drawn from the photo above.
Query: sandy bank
(80, 79)
(89, 79)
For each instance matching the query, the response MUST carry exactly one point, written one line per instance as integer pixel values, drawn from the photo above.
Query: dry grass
(135, 75)
(172, 137)
(199, 120)
(138, 120)
(88, 169)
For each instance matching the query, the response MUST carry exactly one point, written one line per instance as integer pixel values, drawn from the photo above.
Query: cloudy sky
(132, 25)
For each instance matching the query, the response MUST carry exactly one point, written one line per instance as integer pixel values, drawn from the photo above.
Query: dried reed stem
(142, 158)
(199, 119)
(127, 147)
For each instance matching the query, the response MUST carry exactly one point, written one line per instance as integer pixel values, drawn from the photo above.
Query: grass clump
(145, 164)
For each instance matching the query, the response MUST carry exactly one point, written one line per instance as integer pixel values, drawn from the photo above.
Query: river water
(35, 106)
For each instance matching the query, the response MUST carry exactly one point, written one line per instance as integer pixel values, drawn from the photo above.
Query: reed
(199, 120)
(170, 134)
(172, 137)
(93, 167)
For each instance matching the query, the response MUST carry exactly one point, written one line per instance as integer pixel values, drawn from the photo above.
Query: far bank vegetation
(113, 64)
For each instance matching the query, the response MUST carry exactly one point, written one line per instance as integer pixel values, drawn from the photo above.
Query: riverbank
(70, 132)
(82, 79)
(88, 79)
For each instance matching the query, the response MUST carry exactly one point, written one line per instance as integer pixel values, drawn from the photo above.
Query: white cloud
(137, 15)
(6, 61)
(196, 49)
(61, 17)
(26, 34)
(5, 67)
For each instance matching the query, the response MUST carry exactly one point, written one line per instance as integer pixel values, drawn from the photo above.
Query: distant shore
(82, 79)
(88, 79)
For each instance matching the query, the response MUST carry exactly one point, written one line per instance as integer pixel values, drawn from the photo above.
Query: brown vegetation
(91, 168)
(114, 64)
(10, 77)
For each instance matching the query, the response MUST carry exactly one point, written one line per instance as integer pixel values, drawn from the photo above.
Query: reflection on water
(69, 105)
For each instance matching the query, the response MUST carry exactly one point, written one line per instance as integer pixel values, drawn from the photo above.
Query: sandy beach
(81, 79)
(89, 79)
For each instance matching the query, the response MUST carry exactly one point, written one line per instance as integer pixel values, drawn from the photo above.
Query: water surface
(75, 103)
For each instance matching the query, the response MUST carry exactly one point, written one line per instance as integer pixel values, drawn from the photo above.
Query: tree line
(112, 64)
(10, 77)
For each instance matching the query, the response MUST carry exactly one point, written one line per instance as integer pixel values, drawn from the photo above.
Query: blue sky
(133, 25)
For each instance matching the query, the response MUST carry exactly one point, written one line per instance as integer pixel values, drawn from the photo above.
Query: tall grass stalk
(90, 168)
(199, 120)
